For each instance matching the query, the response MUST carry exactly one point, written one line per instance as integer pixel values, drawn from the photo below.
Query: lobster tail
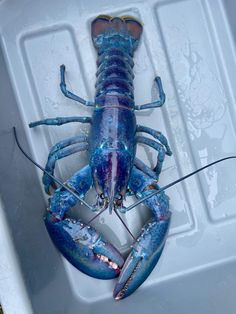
(100, 25)
(134, 27)
(108, 26)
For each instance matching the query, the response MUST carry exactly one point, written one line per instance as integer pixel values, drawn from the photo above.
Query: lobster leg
(157, 135)
(81, 244)
(157, 146)
(148, 247)
(158, 103)
(67, 93)
(67, 142)
(60, 153)
(144, 168)
(60, 120)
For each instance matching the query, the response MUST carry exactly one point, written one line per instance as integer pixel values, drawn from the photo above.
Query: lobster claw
(143, 257)
(84, 247)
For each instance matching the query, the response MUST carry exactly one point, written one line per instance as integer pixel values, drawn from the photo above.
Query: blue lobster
(113, 170)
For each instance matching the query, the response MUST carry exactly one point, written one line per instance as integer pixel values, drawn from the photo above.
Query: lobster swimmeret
(113, 168)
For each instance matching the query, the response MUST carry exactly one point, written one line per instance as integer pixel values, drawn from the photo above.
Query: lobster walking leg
(157, 135)
(157, 146)
(144, 168)
(158, 103)
(60, 120)
(148, 247)
(56, 155)
(67, 142)
(82, 245)
(67, 93)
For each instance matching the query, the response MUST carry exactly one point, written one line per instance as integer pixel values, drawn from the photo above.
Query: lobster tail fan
(100, 25)
(110, 26)
(133, 26)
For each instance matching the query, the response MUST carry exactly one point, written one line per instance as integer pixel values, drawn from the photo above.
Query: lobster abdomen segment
(115, 75)
(115, 40)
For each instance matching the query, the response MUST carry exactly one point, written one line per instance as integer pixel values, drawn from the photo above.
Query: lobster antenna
(124, 224)
(49, 174)
(177, 181)
(96, 216)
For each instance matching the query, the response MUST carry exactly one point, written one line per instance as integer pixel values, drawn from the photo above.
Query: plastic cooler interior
(191, 45)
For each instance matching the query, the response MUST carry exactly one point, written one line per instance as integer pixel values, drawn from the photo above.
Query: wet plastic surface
(191, 45)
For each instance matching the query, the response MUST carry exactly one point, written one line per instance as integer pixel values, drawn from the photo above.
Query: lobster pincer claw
(148, 247)
(84, 247)
(143, 257)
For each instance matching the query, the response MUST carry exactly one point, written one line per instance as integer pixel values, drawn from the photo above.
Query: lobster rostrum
(113, 170)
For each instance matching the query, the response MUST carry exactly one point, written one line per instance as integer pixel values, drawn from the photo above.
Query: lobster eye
(102, 201)
(118, 201)
(102, 196)
(119, 197)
